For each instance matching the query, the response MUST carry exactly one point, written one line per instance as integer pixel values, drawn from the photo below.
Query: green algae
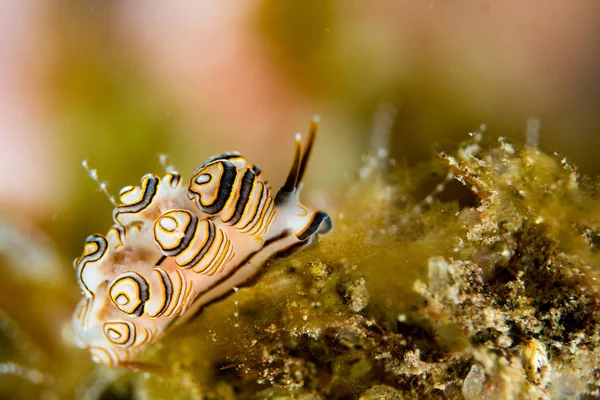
(404, 299)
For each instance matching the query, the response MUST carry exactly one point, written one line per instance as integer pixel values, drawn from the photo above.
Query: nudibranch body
(176, 247)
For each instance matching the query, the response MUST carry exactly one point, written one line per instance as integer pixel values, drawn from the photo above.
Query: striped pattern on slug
(129, 293)
(162, 293)
(93, 266)
(146, 202)
(175, 292)
(121, 333)
(197, 245)
(237, 195)
(176, 247)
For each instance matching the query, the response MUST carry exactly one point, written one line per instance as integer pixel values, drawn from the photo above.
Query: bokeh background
(119, 82)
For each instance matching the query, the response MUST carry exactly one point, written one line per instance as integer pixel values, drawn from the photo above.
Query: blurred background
(119, 82)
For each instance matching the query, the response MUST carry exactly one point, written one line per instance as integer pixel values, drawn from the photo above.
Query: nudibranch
(175, 247)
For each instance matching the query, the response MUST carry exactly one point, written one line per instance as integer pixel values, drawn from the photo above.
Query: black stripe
(224, 189)
(326, 226)
(160, 260)
(150, 186)
(291, 181)
(256, 170)
(175, 179)
(202, 252)
(221, 260)
(312, 133)
(132, 334)
(260, 221)
(143, 292)
(288, 251)
(245, 190)
(257, 209)
(263, 206)
(102, 245)
(121, 231)
(224, 156)
(316, 225)
(109, 331)
(188, 235)
(168, 285)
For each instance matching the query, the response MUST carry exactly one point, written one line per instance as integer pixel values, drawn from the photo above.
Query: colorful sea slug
(175, 247)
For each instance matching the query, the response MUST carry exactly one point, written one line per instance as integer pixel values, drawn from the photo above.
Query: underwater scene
(299, 200)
